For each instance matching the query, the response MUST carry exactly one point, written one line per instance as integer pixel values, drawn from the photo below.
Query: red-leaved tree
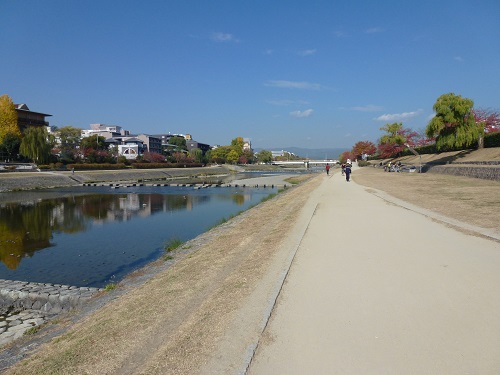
(364, 147)
(489, 118)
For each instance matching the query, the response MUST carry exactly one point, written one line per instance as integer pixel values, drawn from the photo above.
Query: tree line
(456, 125)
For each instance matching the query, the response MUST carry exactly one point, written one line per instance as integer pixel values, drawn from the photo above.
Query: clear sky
(299, 73)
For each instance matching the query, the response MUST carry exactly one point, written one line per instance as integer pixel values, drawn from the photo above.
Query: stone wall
(48, 298)
(468, 170)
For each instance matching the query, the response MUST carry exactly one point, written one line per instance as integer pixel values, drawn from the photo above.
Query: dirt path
(376, 288)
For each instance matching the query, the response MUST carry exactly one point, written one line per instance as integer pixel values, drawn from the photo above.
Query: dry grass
(171, 324)
(473, 201)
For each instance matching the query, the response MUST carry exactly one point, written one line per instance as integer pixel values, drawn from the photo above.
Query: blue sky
(311, 74)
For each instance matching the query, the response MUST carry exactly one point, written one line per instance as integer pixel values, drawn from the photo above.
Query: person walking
(348, 172)
(327, 168)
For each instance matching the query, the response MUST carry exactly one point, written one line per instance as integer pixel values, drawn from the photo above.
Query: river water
(92, 236)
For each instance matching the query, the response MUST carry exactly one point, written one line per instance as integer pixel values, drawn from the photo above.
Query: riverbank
(207, 306)
(15, 181)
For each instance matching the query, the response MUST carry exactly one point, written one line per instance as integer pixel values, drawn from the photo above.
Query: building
(191, 145)
(247, 144)
(27, 118)
(151, 143)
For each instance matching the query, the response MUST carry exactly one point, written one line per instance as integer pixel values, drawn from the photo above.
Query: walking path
(378, 289)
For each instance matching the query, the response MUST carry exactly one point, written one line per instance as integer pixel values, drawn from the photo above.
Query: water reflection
(61, 223)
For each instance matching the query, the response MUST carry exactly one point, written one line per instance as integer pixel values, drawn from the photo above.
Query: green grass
(110, 287)
(32, 330)
(172, 244)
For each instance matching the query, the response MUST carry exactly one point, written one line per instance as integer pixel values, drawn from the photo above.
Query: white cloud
(458, 58)
(299, 114)
(367, 108)
(398, 116)
(373, 30)
(307, 52)
(223, 37)
(293, 85)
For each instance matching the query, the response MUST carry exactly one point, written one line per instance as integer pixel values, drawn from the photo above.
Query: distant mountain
(311, 153)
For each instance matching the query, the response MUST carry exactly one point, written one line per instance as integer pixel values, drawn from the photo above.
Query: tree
(36, 144)
(364, 147)
(393, 142)
(264, 156)
(197, 155)
(8, 118)
(94, 142)
(153, 157)
(180, 142)
(232, 156)
(454, 125)
(489, 120)
(346, 155)
(10, 145)
(71, 138)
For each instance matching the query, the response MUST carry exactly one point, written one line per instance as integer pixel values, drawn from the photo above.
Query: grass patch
(110, 287)
(172, 244)
(31, 331)
(166, 258)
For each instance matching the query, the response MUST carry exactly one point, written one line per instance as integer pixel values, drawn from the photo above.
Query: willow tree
(8, 118)
(37, 144)
(454, 125)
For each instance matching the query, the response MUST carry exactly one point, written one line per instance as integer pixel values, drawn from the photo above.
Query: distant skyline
(310, 74)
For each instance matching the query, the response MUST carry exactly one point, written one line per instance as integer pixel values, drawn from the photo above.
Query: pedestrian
(348, 172)
(343, 169)
(327, 168)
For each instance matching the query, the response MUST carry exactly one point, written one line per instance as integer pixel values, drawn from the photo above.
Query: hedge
(492, 140)
(165, 165)
(85, 167)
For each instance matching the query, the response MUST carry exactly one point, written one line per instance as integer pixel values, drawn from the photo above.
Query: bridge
(306, 163)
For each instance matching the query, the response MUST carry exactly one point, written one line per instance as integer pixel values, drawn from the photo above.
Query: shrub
(83, 167)
(492, 140)
(362, 163)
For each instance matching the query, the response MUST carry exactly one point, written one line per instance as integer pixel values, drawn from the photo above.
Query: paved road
(378, 289)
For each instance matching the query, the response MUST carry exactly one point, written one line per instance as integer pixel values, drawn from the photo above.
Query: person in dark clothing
(347, 172)
(327, 168)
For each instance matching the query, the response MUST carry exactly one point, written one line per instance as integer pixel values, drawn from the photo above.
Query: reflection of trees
(239, 199)
(29, 226)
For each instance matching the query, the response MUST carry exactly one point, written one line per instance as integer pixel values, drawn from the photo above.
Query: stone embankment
(26, 305)
(483, 163)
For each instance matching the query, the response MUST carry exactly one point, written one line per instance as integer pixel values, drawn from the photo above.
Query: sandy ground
(404, 295)
(327, 277)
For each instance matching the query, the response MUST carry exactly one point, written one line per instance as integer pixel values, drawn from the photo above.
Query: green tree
(219, 154)
(10, 145)
(8, 118)
(180, 142)
(454, 125)
(37, 144)
(70, 138)
(94, 142)
(264, 156)
(232, 156)
(197, 155)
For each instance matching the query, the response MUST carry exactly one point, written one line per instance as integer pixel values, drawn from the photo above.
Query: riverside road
(375, 288)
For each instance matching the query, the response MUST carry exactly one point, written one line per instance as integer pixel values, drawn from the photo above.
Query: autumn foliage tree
(393, 142)
(8, 118)
(489, 118)
(364, 147)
